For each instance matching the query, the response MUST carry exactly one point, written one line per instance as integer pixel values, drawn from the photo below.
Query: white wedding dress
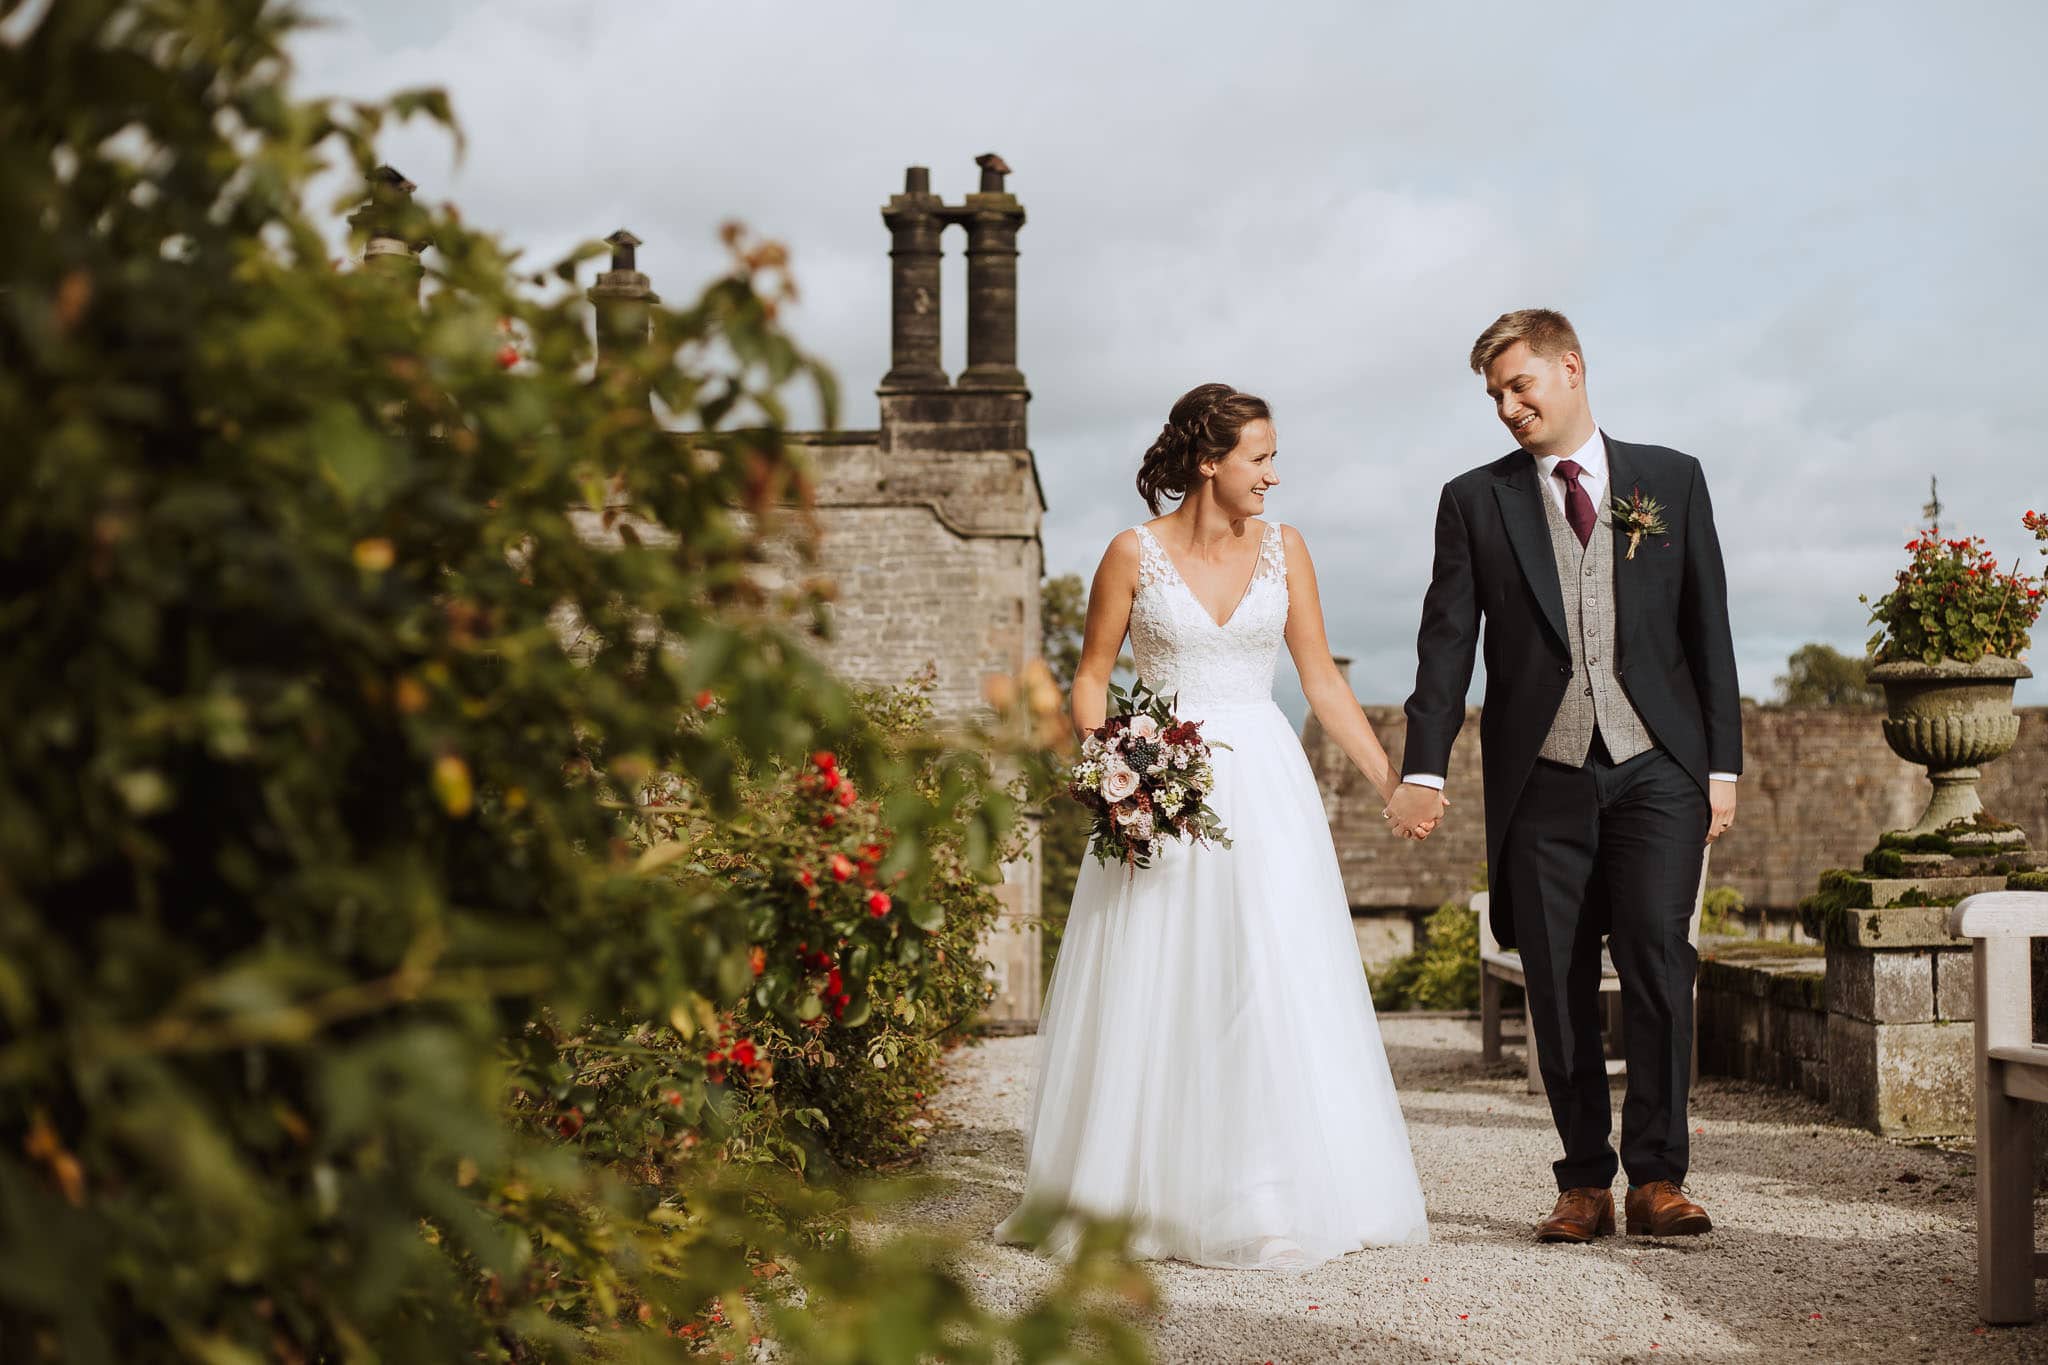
(1210, 1066)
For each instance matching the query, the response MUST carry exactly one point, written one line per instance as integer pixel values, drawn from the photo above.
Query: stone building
(930, 524)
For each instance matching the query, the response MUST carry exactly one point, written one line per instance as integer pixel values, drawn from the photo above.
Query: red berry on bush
(878, 904)
(826, 760)
(569, 1122)
(508, 356)
(842, 867)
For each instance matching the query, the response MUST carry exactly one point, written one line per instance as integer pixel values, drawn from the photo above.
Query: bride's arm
(1329, 696)
(1102, 640)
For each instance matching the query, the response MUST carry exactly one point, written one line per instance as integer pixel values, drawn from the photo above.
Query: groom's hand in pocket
(1414, 810)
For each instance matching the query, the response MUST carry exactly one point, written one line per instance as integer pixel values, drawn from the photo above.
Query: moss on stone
(1954, 839)
(1918, 897)
(1840, 889)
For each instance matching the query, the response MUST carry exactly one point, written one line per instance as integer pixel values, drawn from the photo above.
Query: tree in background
(380, 979)
(1821, 675)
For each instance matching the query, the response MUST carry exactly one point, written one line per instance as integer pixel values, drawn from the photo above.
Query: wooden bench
(1501, 967)
(2012, 1072)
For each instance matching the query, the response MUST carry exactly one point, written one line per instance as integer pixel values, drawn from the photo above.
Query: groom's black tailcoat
(1675, 655)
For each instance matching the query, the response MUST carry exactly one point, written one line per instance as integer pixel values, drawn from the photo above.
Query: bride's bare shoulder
(1293, 546)
(1120, 559)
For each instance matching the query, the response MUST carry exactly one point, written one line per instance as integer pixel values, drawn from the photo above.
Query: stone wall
(935, 559)
(1765, 1021)
(1818, 786)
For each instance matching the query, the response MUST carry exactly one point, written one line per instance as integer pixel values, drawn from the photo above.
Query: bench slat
(1991, 914)
(2021, 1072)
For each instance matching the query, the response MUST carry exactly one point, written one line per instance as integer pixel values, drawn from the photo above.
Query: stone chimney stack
(623, 299)
(393, 229)
(993, 217)
(921, 409)
(915, 221)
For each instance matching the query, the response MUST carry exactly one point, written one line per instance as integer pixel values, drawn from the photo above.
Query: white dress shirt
(1592, 458)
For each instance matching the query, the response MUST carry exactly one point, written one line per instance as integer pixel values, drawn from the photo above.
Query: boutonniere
(1639, 516)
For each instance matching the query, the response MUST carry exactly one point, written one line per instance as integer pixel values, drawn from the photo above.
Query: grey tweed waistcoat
(1595, 699)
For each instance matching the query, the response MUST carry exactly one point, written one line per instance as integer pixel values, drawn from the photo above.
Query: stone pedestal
(1900, 1047)
(1901, 1041)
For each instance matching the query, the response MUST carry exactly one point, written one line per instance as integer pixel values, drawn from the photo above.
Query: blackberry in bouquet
(1146, 776)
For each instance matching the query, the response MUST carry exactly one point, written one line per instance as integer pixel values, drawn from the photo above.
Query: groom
(1611, 738)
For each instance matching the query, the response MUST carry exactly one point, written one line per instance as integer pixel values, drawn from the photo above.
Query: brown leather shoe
(1660, 1209)
(1580, 1216)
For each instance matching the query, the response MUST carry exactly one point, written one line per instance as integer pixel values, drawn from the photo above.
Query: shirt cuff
(1723, 777)
(1423, 780)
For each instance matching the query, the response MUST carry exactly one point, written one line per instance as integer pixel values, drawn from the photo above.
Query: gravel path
(1830, 1244)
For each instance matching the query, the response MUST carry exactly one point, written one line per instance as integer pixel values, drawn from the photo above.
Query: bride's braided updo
(1204, 425)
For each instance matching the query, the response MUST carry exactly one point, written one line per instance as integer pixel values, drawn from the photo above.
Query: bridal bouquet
(1146, 776)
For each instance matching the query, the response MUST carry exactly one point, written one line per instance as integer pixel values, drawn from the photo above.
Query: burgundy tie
(1578, 508)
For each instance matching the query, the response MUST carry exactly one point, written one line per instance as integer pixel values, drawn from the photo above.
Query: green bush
(1443, 974)
(1721, 911)
(871, 1081)
(356, 1005)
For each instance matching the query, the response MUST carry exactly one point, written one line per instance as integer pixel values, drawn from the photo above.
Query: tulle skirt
(1210, 1066)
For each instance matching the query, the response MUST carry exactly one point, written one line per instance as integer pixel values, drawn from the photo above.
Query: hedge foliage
(381, 979)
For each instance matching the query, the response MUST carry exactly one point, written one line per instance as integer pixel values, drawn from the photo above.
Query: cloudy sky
(1802, 241)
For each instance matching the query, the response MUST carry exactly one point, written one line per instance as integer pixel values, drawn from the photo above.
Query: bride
(1210, 1067)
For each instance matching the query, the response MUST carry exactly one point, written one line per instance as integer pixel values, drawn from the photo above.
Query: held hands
(1413, 811)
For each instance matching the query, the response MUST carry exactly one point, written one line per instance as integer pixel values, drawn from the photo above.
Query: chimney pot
(622, 243)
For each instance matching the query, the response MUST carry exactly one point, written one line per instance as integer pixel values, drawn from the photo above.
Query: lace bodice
(1181, 650)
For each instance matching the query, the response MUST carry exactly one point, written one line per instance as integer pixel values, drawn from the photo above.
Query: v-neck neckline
(1258, 563)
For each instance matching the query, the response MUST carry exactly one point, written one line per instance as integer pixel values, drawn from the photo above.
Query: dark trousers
(1615, 849)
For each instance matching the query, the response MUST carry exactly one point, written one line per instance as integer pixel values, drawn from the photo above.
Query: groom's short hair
(1548, 332)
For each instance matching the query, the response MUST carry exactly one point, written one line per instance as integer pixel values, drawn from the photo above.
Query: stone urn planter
(1950, 718)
